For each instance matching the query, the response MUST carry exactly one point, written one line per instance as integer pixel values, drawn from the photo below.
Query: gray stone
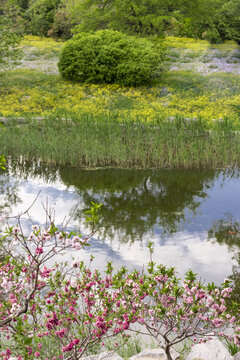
(237, 356)
(154, 354)
(210, 350)
(106, 355)
(165, 91)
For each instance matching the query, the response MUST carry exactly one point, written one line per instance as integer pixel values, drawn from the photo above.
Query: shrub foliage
(109, 56)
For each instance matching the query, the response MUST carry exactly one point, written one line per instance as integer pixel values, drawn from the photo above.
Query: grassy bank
(96, 142)
(186, 119)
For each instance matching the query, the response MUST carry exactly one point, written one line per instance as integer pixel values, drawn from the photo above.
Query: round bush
(108, 56)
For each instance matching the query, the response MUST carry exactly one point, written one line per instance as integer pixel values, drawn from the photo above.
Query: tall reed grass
(89, 141)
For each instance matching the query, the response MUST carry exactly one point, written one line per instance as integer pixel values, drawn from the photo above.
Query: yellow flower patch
(128, 103)
(41, 43)
(196, 44)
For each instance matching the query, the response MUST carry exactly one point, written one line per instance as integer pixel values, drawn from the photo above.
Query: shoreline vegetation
(100, 142)
(186, 119)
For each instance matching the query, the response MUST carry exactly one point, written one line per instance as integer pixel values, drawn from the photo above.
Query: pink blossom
(217, 322)
(73, 283)
(39, 250)
(75, 263)
(35, 228)
(16, 230)
(68, 347)
(61, 333)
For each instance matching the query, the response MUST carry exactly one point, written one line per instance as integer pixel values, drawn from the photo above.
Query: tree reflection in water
(227, 231)
(9, 196)
(136, 201)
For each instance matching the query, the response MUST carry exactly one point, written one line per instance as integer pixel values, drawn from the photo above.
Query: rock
(154, 354)
(237, 356)
(106, 355)
(164, 91)
(210, 350)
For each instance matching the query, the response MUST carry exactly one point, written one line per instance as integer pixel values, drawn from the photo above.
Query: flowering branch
(66, 310)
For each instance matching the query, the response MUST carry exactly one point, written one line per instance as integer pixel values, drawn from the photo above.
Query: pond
(191, 216)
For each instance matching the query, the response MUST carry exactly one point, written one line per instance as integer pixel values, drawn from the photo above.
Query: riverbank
(188, 118)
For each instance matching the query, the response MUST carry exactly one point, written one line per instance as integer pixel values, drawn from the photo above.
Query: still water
(193, 217)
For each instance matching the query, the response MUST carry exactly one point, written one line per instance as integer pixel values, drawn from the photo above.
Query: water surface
(191, 216)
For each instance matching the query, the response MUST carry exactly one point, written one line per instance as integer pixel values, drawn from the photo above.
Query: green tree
(90, 15)
(41, 15)
(23, 4)
(10, 38)
(215, 20)
(230, 12)
(132, 17)
(61, 26)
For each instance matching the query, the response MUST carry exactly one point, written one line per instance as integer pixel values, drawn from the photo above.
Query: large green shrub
(110, 57)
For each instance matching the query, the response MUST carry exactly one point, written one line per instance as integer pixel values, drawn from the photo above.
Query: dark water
(191, 216)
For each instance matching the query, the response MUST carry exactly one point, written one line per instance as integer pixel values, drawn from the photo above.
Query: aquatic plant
(98, 141)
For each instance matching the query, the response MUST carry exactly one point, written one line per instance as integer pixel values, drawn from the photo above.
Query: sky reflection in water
(189, 215)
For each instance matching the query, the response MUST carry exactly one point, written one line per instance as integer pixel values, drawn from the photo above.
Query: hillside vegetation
(213, 20)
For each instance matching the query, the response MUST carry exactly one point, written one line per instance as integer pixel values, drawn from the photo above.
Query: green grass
(92, 142)
(131, 348)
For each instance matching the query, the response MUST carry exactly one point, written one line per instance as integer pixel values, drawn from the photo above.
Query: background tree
(10, 38)
(23, 4)
(214, 20)
(40, 16)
